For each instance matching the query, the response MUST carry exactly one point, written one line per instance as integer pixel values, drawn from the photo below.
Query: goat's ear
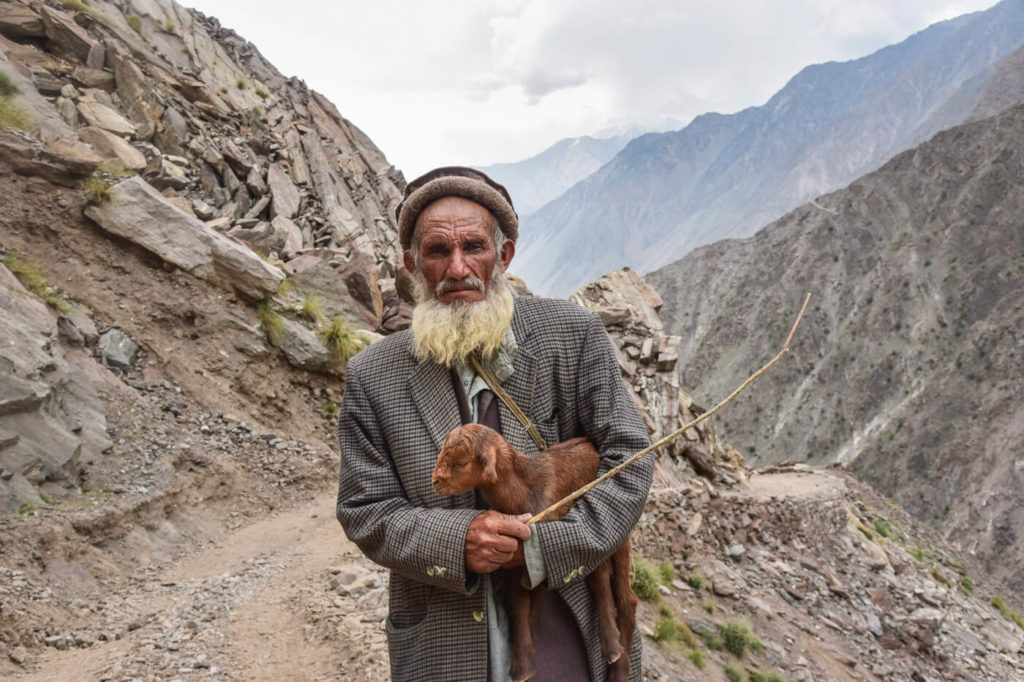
(488, 457)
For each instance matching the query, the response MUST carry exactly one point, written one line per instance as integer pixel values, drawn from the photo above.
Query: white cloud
(467, 81)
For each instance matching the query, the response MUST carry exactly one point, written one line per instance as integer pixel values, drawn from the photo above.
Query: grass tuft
(1007, 612)
(13, 116)
(330, 410)
(882, 528)
(966, 584)
(33, 279)
(697, 581)
(645, 580)
(271, 322)
(261, 93)
(312, 308)
(666, 574)
(709, 607)
(7, 86)
(341, 341)
(240, 84)
(96, 188)
(733, 674)
(737, 638)
(697, 658)
(134, 22)
(765, 676)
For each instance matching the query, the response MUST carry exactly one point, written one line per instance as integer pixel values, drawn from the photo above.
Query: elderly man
(406, 392)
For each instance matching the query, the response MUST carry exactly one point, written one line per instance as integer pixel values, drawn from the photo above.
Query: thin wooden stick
(572, 497)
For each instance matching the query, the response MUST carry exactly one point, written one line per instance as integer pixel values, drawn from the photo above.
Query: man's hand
(494, 540)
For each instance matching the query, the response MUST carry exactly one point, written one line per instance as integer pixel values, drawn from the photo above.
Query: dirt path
(797, 484)
(287, 597)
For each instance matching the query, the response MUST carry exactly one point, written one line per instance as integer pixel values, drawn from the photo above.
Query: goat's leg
(517, 601)
(625, 607)
(607, 630)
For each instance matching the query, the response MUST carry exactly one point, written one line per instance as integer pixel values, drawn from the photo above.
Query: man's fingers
(512, 525)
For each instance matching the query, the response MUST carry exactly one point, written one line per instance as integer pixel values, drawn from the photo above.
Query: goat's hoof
(521, 675)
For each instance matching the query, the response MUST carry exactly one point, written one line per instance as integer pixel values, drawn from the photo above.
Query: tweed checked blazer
(395, 415)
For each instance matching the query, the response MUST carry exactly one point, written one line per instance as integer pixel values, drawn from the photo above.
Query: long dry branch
(572, 497)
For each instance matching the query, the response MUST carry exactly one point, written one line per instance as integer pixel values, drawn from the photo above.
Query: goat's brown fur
(476, 457)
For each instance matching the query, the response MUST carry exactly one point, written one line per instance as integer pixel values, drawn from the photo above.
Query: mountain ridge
(661, 196)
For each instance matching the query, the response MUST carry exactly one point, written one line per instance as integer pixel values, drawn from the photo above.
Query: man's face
(456, 250)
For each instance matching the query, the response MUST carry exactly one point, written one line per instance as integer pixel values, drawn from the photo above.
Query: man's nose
(458, 268)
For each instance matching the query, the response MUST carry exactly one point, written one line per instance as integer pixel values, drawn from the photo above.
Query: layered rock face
(648, 357)
(907, 368)
(218, 132)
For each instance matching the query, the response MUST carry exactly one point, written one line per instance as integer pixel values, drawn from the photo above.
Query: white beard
(450, 333)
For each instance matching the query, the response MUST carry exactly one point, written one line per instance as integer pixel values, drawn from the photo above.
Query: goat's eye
(459, 465)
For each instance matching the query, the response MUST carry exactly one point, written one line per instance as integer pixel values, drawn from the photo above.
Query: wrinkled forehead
(447, 214)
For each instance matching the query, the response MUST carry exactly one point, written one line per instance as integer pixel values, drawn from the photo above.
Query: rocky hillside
(728, 175)
(908, 369)
(537, 180)
(170, 335)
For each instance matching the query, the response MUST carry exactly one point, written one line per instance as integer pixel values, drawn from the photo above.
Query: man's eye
(459, 465)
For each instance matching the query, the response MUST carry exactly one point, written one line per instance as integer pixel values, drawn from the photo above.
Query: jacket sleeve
(424, 544)
(602, 519)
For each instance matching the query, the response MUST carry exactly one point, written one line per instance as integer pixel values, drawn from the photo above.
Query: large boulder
(317, 274)
(284, 193)
(113, 147)
(140, 214)
(51, 418)
(102, 116)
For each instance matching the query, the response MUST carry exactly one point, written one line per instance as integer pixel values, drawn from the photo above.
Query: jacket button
(430, 570)
(440, 570)
(478, 616)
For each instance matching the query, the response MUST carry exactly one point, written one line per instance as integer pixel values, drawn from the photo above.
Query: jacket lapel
(520, 387)
(431, 389)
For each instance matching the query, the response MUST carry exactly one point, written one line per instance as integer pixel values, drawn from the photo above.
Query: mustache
(471, 282)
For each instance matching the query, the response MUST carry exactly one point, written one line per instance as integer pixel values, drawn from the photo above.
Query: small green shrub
(765, 676)
(134, 22)
(330, 410)
(697, 658)
(733, 674)
(667, 630)
(939, 577)
(1006, 611)
(696, 581)
(916, 552)
(737, 638)
(312, 308)
(645, 581)
(240, 83)
(223, 89)
(169, 26)
(271, 322)
(33, 279)
(261, 93)
(13, 116)
(868, 534)
(7, 86)
(666, 574)
(709, 607)
(76, 6)
(882, 528)
(341, 341)
(966, 584)
(96, 188)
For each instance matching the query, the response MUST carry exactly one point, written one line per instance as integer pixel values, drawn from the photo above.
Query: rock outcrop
(215, 129)
(648, 357)
(52, 422)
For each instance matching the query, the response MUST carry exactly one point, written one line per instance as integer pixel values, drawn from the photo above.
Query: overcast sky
(478, 82)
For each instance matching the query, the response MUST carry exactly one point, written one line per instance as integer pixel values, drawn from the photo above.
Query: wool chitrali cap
(455, 181)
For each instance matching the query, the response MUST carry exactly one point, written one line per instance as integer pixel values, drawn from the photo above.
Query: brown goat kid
(476, 457)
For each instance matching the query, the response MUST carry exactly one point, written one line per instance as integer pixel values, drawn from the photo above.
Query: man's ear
(508, 249)
(488, 458)
(407, 259)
